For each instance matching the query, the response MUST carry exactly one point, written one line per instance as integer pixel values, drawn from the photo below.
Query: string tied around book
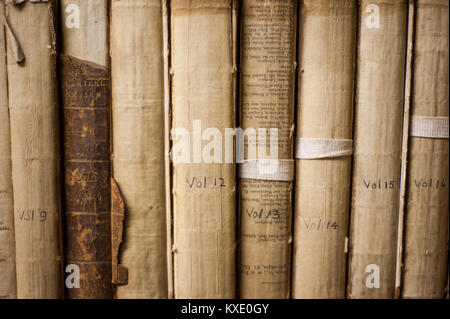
(267, 169)
(428, 127)
(19, 2)
(16, 48)
(318, 148)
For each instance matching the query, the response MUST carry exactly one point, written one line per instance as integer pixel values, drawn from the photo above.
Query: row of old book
(98, 200)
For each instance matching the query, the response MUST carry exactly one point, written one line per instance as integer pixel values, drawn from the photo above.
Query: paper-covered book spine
(138, 119)
(267, 80)
(380, 83)
(85, 81)
(7, 243)
(327, 33)
(203, 71)
(427, 204)
(34, 127)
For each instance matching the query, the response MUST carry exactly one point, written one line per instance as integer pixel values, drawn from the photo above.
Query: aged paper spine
(85, 30)
(427, 204)
(327, 32)
(377, 150)
(203, 74)
(7, 243)
(268, 45)
(34, 123)
(85, 79)
(138, 143)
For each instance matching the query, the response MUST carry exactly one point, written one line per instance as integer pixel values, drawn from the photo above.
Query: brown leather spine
(87, 165)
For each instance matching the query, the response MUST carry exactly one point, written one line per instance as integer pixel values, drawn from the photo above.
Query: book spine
(137, 76)
(7, 246)
(327, 32)
(85, 30)
(34, 126)
(203, 70)
(377, 151)
(427, 203)
(267, 80)
(85, 80)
